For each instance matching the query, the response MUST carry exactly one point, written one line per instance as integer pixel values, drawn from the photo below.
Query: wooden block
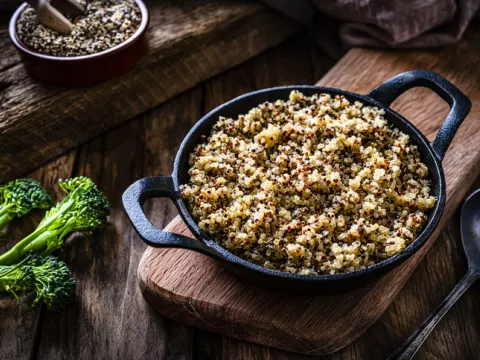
(190, 41)
(194, 289)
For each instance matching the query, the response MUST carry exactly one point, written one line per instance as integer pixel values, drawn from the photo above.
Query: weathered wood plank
(189, 42)
(9, 56)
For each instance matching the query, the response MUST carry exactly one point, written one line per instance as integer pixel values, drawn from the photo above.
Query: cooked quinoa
(312, 185)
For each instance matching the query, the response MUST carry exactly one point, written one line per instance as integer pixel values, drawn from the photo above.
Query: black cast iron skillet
(431, 155)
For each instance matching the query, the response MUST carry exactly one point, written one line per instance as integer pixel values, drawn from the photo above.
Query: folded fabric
(383, 23)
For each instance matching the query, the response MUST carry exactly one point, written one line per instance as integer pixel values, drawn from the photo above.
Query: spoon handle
(408, 350)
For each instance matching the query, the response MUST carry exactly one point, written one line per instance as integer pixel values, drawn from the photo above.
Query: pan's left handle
(133, 199)
(460, 104)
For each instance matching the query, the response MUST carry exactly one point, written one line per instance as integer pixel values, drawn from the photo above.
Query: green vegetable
(48, 277)
(20, 196)
(16, 278)
(84, 208)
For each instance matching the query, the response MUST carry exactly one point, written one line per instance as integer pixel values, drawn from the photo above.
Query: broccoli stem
(5, 215)
(15, 254)
(4, 209)
(5, 219)
(11, 256)
(39, 236)
(40, 244)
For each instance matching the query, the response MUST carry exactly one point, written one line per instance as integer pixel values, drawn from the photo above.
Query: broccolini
(84, 208)
(20, 196)
(48, 277)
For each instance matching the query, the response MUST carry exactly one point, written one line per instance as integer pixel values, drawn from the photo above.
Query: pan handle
(459, 103)
(133, 199)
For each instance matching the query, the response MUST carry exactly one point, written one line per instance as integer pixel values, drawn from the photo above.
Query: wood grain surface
(194, 289)
(189, 41)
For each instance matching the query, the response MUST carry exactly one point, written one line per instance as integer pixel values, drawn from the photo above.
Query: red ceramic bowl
(88, 69)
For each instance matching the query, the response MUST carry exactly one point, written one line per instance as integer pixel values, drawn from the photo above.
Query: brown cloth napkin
(383, 23)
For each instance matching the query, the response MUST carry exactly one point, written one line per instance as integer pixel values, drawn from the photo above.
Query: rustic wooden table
(109, 318)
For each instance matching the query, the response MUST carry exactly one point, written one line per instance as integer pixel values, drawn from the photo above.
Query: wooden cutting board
(194, 289)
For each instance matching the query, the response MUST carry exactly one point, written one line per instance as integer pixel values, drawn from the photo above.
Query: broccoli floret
(84, 208)
(16, 278)
(48, 277)
(20, 196)
(54, 284)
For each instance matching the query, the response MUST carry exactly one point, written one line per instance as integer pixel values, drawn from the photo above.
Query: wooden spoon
(51, 15)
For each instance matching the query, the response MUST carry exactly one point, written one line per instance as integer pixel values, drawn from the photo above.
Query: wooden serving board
(190, 41)
(194, 289)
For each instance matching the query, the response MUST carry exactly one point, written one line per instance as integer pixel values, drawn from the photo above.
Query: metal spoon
(470, 232)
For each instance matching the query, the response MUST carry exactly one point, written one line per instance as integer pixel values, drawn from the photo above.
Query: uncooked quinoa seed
(105, 24)
(312, 185)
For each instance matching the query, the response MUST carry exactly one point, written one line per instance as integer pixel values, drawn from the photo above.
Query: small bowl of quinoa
(108, 39)
(305, 188)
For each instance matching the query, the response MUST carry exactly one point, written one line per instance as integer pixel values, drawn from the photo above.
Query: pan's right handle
(133, 199)
(460, 104)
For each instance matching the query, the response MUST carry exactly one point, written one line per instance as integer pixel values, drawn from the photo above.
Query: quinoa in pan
(312, 185)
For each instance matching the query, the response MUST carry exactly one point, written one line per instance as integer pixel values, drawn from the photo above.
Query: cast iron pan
(431, 155)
